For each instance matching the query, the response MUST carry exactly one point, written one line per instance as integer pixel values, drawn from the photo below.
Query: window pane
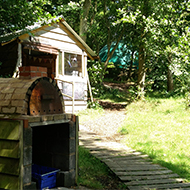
(73, 64)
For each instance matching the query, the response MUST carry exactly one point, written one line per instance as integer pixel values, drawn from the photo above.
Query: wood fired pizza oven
(34, 129)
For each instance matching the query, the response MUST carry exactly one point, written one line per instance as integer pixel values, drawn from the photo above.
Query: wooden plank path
(133, 168)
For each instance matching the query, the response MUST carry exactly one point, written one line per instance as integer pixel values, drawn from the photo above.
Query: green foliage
(123, 131)
(133, 92)
(95, 71)
(94, 105)
(159, 29)
(17, 14)
(102, 92)
(115, 95)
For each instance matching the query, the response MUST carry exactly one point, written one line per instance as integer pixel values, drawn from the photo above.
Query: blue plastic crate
(44, 176)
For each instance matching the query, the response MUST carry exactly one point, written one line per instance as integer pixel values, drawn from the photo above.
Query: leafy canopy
(17, 14)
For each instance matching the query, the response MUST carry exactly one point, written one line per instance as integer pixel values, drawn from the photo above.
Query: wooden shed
(55, 46)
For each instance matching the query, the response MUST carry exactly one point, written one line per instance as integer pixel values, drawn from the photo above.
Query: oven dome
(36, 96)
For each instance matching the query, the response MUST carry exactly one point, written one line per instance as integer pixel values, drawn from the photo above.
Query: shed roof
(4, 39)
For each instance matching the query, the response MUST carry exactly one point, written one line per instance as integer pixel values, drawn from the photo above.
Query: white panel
(68, 47)
(79, 106)
(58, 30)
(72, 78)
(56, 36)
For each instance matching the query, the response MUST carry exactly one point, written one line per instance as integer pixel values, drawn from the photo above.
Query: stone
(27, 175)
(27, 156)
(66, 178)
(31, 186)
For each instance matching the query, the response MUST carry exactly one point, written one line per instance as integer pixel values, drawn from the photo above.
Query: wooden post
(73, 97)
(77, 144)
(89, 86)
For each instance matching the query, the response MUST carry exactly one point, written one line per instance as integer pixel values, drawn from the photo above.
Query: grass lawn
(94, 174)
(161, 129)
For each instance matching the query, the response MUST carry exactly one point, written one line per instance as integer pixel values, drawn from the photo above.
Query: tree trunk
(83, 20)
(141, 73)
(170, 84)
(109, 55)
(131, 66)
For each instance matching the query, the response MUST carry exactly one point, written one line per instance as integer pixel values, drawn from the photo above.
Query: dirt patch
(119, 86)
(112, 106)
(110, 182)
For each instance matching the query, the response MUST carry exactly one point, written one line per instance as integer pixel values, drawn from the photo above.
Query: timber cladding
(11, 154)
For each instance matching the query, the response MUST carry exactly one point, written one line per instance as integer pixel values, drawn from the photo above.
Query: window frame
(82, 63)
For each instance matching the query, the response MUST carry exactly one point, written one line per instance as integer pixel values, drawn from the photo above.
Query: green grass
(161, 129)
(95, 174)
(87, 172)
(89, 114)
(115, 95)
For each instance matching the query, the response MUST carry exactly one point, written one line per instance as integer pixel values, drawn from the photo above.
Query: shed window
(73, 64)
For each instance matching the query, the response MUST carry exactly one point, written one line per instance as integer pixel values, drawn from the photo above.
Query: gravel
(107, 125)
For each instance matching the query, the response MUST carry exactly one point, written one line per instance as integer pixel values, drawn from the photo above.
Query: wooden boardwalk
(133, 168)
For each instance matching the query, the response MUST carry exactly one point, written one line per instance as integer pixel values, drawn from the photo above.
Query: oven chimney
(29, 72)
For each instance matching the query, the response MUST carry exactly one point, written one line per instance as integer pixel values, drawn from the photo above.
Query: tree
(17, 14)
(166, 34)
(158, 30)
(155, 28)
(84, 19)
(103, 29)
(159, 27)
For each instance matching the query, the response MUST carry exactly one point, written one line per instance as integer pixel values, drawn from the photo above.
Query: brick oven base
(49, 140)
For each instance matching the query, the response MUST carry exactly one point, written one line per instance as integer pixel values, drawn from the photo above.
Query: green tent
(121, 57)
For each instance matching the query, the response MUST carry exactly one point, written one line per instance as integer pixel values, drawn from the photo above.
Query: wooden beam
(9, 149)
(9, 166)
(9, 130)
(9, 182)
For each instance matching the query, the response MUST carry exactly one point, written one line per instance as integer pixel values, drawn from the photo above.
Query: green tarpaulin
(121, 56)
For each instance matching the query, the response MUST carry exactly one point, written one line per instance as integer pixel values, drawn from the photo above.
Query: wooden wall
(10, 154)
(53, 35)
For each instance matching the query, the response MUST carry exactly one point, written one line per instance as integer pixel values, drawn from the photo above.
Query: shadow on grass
(179, 169)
